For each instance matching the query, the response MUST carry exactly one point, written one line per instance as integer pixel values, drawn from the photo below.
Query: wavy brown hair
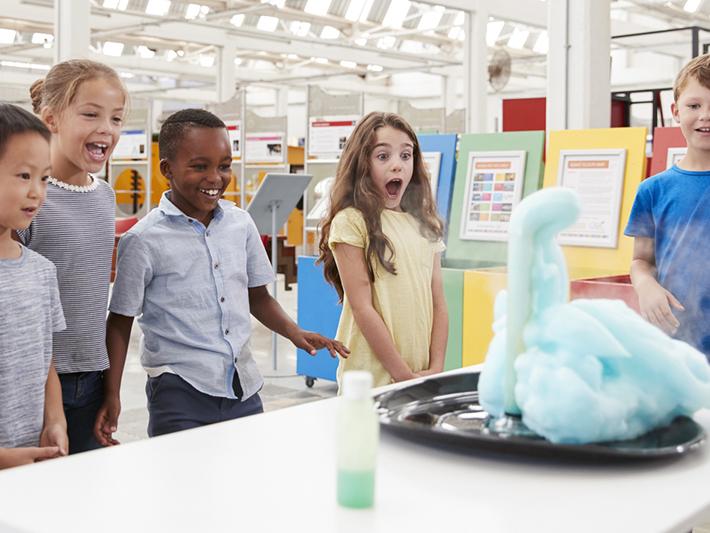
(354, 187)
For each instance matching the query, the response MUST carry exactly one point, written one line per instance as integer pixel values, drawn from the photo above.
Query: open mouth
(213, 194)
(97, 151)
(393, 187)
(703, 130)
(29, 211)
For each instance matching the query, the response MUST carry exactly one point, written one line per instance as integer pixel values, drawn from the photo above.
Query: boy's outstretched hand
(54, 436)
(312, 342)
(655, 303)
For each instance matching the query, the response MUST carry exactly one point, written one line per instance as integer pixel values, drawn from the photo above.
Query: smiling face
(692, 112)
(200, 171)
(392, 164)
(86, 132)
(24, 168)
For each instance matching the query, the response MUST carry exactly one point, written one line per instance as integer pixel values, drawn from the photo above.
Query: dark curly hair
(175, 126)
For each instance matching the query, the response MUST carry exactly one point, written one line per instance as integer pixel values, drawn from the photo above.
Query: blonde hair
(698, 68)
(354, 187)
(58, 89)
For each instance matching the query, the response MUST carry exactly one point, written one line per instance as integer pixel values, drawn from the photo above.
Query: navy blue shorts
(175, 405)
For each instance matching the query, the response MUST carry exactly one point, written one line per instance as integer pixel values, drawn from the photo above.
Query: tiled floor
(282, 387)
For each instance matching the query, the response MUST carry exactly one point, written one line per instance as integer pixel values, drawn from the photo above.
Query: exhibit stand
(232, 112)
(439, 153)
(130, 167)
(271, 205)
(265, 150)
(669, 146)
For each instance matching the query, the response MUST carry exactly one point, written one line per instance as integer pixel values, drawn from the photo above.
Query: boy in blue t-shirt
(670, 222)
(193, 271)
(32, 423)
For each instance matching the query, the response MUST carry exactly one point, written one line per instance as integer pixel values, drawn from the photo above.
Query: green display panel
(463, 253)
(453, 292)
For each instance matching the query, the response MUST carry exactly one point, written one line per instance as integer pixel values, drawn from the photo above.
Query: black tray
(444, 411)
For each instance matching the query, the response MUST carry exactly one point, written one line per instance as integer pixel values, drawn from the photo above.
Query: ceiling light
(493, 30)
(517, 40)
(329, 32)
(361, 41)
(275, 3)
(238, 61)
(127, 75)
(396, 13)
(691, 6)
(45, 39)
(321, 60)
(159, 8)
(411, 47)
(237, 20)
(459, 18)
(386, 42)
(542, 44)
(348, 64)
(170, 55)
(317, 7)
(267, 23)
(357, 10)
(430, 19)
(111, 48)
(293, 56)
(7, 36)
(193, 11)
(206, 60)
(116, 4)
(145, 52)
(375, 68)
(457, 33)
(299, 28)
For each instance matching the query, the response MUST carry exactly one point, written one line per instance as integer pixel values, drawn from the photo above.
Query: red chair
(122, 226)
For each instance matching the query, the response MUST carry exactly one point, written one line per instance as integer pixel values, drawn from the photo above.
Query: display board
(445, 146)
(327, 135)
(232, 112)
(592, 261)
(430, 120)
(432, 162)
(675, 155)
(467, 253)
(494, 186)
(265, 147)
(132, 144)
(597, 176)
(663, 140)
(234, 129)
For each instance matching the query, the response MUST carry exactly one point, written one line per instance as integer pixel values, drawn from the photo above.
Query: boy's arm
(654, 301)
(356, 283)
(10, 457)
(118, 334)
(440, 327)
(268, 311)
(54, 429)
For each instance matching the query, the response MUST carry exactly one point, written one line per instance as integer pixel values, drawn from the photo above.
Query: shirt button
(226, 332)
(221, 299)
(216, 265)
(207, 233)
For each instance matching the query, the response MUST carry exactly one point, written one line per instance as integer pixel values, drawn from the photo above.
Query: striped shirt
(29, 312)
(75, 230)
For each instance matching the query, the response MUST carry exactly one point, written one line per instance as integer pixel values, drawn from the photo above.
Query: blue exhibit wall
(446, 145)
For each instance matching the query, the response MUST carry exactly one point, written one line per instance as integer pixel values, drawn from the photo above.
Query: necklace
(74, 188)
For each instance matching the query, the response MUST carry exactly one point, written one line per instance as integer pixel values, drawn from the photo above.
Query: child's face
(692, 112)
(87, 131)
(200, 171)
(392, 164)
(24, 168)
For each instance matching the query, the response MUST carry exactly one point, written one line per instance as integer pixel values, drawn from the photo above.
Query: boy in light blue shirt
(193, 270)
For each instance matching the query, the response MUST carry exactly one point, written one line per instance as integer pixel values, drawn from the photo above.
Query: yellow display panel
(586, 262)
(480, 288)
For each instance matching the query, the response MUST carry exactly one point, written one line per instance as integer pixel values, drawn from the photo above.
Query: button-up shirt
(189, 287)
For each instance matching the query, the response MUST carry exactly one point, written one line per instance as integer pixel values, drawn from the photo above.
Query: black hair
(174, 127)
(15, 121)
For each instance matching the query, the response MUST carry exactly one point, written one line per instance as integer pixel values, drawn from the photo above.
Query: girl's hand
(427, 372)
(655, 303)
(312, 342)
(54, 436)
(24, 456)
(107, 421)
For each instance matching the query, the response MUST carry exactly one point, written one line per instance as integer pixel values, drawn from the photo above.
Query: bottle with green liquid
(358, 432)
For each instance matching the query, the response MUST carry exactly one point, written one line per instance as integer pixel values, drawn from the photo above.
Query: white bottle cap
(357, 384)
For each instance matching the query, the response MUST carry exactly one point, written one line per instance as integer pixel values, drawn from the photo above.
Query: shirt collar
(170, 209)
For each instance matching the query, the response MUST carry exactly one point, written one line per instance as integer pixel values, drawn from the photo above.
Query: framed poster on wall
(432, 162)
(494, 186)
(327, 136)
(675, 155)
(597, 176)
(265, 147)
(234, 129)
(132, 144)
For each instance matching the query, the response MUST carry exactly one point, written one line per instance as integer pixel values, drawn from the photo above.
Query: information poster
(432, 162)
(132, 144)
(494, 186)
(327, 136)
(675, 155)
(265, 147)
(234, 129)
(597, 176)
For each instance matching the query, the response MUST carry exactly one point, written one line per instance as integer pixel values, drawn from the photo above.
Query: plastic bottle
(358, 433)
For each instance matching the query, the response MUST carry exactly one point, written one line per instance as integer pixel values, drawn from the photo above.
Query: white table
(275, 473)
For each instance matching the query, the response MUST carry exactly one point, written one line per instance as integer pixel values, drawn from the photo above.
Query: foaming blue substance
(591, 370)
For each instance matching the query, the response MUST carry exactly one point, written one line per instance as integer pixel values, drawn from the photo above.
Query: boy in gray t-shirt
(32, 423)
